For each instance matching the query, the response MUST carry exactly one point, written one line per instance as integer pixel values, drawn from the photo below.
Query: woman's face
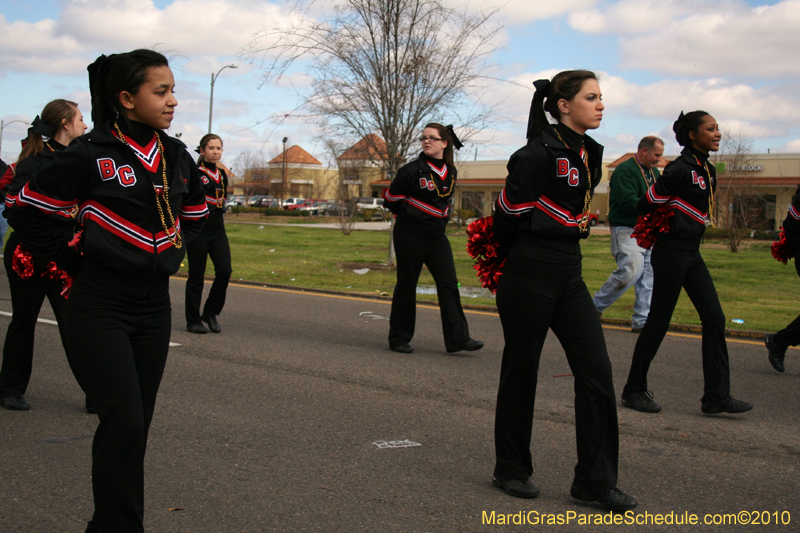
(585, 110)
(707, 137)
(212, 152)
(154, 103)
(432, 143)
(76, 127)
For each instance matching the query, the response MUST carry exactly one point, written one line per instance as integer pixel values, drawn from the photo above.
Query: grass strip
(752, 286)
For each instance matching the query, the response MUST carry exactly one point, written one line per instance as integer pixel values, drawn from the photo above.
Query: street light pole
(284, 168)
(3, 125)
(211, 101)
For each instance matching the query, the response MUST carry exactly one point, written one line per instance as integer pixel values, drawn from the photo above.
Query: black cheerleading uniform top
(791, 224)
(215, 187)
(420, 194)
(685, 186)
(541, 205)
(29, 167)
(114, 187)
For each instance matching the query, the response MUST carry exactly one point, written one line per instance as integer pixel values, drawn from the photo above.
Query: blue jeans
(633, 269)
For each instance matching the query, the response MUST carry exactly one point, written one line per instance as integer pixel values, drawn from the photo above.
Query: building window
(472, 200)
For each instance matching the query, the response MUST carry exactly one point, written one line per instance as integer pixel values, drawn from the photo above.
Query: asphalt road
(279, 424)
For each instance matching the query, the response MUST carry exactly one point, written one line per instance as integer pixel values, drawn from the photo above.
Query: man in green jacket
(629, 182)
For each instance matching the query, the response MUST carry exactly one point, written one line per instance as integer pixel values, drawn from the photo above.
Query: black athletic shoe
(611, 499)
(16, 403)
(519, 488)
(402, 348)
(213, 325)
(196, 328)
(776, 353)
(728, 405)
(471, 345)
(641, 401)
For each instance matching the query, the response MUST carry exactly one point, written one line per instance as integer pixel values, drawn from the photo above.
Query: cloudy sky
(734, 59)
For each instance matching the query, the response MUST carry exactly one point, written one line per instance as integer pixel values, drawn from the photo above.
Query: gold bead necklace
(583, 225)
(171, 231)
(711, 217)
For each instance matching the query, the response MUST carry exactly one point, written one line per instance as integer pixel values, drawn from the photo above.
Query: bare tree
(740, 207)
(387, 67)
(254, 172)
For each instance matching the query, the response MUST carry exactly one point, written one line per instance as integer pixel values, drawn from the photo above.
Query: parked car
(375, 204)
(593, 219)
(336, 208)
(269, 201)
(308, 207)
(369, 203)
(289, 202)
(253, 202)
(236, 200)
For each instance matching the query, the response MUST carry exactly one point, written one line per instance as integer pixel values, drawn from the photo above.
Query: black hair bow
(456, 142)
(542, 85)
(94, 73)
(39, 127)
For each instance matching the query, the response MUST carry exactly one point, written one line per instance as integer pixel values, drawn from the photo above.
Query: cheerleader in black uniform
(420, 196)
(541, 216)
(61, 122)
(777, 343)
(212, 242)
(140, 200)
(687, 187)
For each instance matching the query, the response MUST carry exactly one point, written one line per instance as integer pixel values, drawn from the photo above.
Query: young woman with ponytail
(420, 195)
(140, 199)
(686, 188)
(60, 123)
(212, 242)
(541, 216)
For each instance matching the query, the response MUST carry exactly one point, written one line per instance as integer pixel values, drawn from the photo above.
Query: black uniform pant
(120, 338)
(414, 249)
(673, 269)
(533, 296)
(27, 296)
(212, 242)
(790, 335)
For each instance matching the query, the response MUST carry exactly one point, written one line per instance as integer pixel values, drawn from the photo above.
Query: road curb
(678, 328)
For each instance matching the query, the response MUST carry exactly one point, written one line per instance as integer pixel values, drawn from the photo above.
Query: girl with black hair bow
(420, 195)
(212, 242)
(60, 123)
(140, 200)
(541, 216)
(687, 188)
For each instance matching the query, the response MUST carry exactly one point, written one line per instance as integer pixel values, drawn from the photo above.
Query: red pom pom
(780, 249)
(56, 275)
(22, 262)
(484, 248)
(649, 226)
(76, 239)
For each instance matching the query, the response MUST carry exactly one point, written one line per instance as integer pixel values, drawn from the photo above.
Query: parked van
(289, 202)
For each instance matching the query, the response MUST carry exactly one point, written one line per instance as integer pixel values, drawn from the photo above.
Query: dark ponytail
(566, 85)
(54, 115)
(203, 142)
(687, 123)
(110, 75)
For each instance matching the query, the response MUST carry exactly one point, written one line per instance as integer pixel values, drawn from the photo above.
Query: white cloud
(698, 40)
(202, 30)
(791, 147)
(520, 12)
